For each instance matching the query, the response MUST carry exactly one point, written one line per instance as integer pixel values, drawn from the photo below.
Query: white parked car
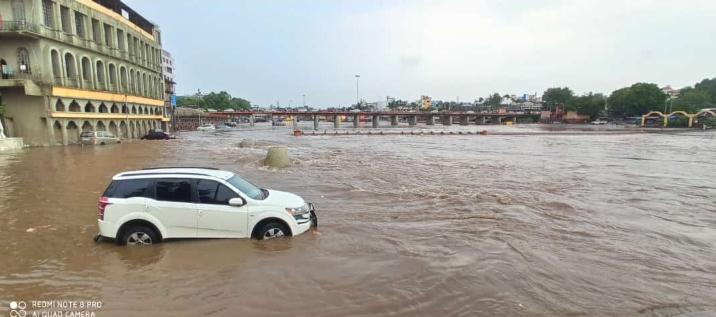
(600, 122)
(206, 127)
(147, 206)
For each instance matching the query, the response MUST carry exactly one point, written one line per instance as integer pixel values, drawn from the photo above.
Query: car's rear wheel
(139, 236)
(273, 230)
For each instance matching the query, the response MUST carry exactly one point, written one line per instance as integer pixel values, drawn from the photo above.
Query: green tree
(240, 104)
(692, 100)
(636, 100)
(589, 104)
(190, 101)
(554, 97)
(709, 86)
(493, 100)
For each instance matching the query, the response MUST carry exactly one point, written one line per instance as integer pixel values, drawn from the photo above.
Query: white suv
(147, 206)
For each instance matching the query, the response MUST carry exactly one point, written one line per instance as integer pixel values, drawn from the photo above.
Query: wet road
(497, 225)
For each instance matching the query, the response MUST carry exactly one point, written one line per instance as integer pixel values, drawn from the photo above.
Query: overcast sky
(269, 50)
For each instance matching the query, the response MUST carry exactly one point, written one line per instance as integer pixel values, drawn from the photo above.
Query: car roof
(175, 171)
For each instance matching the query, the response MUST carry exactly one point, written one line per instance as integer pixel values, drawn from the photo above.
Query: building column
(50, 131)
(430, 120)
(356, 121)
(376, 120)
(394, 120)
(336, 122)
(413, 120)
(315, 122)
(482, 119)
(65, 138)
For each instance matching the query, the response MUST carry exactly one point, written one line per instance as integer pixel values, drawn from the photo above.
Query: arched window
(125, 109)
(89, 107)
(123, 78)
(112, 75)
(114, 108)
(70, 69)
(86, 69)
(144, 84)
(103, 108)
(59, 105)
(56, 69)
(75, 107)
(18, 10)
(23, 60)
(100, 72)
(134, 110)
(131, 81)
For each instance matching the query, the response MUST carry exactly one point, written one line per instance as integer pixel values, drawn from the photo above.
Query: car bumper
(107, 229)
(304, 225)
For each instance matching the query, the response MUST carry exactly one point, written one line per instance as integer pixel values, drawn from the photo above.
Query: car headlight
(298, 211)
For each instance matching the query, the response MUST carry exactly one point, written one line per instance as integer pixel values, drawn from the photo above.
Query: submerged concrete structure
(78, 65)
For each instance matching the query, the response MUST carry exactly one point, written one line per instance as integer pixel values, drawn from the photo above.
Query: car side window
(129, 188)
(211, 192)
(178, 190)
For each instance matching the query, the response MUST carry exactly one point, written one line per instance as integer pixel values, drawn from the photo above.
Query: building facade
(169, 85)
(70, 66)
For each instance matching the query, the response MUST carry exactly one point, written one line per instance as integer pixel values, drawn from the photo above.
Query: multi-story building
(169, 83)
(78, 65)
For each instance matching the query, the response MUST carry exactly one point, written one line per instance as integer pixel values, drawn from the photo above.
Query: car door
(217, 219)
(174, 206)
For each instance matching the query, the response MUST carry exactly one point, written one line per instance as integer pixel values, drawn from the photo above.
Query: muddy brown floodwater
(496, 225)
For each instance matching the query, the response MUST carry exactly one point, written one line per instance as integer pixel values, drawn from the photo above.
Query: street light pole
(357, 91)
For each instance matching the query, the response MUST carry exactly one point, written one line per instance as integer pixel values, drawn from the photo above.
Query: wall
(24, 116)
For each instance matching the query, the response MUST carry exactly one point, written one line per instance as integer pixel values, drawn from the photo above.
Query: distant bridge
(665, 116)
(446, 118)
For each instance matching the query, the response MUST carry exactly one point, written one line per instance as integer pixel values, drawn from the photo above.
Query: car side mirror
(237, 202)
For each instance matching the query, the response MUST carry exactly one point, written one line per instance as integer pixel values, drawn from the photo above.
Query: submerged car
(98, 138)
(206, 127)
(157, 135)
(147, 206)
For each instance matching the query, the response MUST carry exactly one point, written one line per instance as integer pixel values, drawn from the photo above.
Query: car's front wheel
(139, 236)
(273, 230)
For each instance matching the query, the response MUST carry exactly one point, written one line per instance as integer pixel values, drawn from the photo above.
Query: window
(211, 192)
(23, 60)
(18, 10)
(80, 24)
(65, 17)
(174, 190)
(247, 188)
(120, 40)
(96, 33)
(108, 35)
(130, 188)
(48, 13)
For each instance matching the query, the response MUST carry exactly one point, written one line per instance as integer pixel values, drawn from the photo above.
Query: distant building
(169, 83)
(671, 92)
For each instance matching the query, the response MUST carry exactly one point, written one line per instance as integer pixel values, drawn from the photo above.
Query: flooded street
(454, 225)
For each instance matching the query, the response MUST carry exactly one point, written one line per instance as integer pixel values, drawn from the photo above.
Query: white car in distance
(147, 206)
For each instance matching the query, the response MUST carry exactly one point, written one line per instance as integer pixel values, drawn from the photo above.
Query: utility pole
(357, 91)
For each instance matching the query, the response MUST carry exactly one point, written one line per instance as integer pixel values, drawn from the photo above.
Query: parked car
(157, 135)
(150, 205)
(206, 127)
(98, 137)
(600, 121)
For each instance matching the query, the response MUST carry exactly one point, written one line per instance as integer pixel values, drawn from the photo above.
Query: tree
(636, 100)
(493, 100)
(692, 100)
(554, 97)
(190, 101)
(590, 104)
(709, 86)
(393, 104)
(219, 101)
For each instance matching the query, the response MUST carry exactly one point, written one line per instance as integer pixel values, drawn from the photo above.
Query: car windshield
(247, 188)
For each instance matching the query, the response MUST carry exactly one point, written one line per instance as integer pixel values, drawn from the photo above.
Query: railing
(24, 75)
(58, 34)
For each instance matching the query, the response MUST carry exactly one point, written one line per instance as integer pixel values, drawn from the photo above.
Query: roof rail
(170, 167)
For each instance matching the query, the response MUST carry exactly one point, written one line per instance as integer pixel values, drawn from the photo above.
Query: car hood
(283, 199)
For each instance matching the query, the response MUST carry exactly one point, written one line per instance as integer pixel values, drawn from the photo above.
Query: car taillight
(103, 202)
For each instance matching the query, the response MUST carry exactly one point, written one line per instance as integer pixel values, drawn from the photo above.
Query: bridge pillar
(356, 121)
(394, 120)
(413, 120)
(252, 120)
(315, 122)
(514, 120)
(430, 120)
(464, 120)
(482, 119)
(499, 120)
(376, 120)
(273, 120)
(447, 120)
(336, 122)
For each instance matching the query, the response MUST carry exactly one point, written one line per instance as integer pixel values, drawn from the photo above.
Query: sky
(269, 51)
